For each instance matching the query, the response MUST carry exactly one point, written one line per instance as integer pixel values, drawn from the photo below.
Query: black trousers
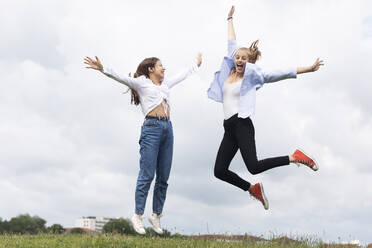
(239, 134)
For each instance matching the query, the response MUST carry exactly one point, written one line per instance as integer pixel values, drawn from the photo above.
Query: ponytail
(254, 54)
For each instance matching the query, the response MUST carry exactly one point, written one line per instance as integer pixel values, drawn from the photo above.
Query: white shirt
(231, 96)
(150, 94)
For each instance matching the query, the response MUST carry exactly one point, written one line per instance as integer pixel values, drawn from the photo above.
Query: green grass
(116, 241)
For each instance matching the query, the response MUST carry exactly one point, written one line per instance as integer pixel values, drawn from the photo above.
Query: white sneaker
(138, 224)
(154, 219)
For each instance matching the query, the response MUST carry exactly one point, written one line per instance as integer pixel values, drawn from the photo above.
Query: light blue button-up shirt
(253, 79)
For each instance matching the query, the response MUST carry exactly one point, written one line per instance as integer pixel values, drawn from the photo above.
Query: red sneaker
(258, 193)
(301, 158)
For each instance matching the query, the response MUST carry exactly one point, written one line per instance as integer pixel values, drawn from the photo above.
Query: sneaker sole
(315, 167)
(149, 219)
(135, 229)
(266, 203)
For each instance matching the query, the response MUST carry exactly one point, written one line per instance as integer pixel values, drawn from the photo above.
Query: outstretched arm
(311, 68)
(277, 75)
(185, 73)
(97, 65)
(93, 64)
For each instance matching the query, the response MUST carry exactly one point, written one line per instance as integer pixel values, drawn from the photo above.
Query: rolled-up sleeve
(231, 48)
(277, 75)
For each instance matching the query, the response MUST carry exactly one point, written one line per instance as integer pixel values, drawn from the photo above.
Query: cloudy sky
(69, 137)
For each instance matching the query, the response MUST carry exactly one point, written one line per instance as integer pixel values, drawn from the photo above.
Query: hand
(199, 59)
(231, 12)
(317, 64)
(93, 64)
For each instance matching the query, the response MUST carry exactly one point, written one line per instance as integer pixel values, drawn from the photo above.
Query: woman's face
(158, 70)
(240, 59)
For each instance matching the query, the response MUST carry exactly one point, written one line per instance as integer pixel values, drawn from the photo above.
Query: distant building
(93, 223)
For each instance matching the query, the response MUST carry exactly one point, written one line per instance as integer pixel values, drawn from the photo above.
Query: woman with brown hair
(235, 86)
(151, 90)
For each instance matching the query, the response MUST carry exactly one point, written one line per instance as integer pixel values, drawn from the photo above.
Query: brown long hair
(254, 53)
(142, 69)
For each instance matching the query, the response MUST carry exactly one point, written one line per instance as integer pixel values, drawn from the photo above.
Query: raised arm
(172, 81)
(97, 65)
(231, 37)
(311, 68)
(230, 26)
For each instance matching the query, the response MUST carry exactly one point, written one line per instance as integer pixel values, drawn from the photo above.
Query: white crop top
(151, 95)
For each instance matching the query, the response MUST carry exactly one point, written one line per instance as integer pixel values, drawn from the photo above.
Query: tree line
(26, 224)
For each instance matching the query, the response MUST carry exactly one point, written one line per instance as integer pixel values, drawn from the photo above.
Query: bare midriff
(159, 110)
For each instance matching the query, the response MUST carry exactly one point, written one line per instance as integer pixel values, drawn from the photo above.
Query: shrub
(77, 230)
(56, 229)
(121, 226)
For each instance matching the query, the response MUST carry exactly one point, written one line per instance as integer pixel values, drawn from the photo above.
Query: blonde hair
(253, 53)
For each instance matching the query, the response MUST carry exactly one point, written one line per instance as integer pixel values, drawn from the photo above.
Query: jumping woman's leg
(247, 145)
(163, 168)
(226, 152)
(151, 134)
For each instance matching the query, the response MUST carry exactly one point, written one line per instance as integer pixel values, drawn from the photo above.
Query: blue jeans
(156, 150)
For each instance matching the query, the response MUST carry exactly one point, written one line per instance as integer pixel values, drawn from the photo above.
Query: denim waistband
(161, 118)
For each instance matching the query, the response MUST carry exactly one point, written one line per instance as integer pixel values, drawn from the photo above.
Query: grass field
(113, 241)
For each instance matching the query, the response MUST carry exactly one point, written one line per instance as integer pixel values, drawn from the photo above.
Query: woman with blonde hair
(235, 86)
(151, 90)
